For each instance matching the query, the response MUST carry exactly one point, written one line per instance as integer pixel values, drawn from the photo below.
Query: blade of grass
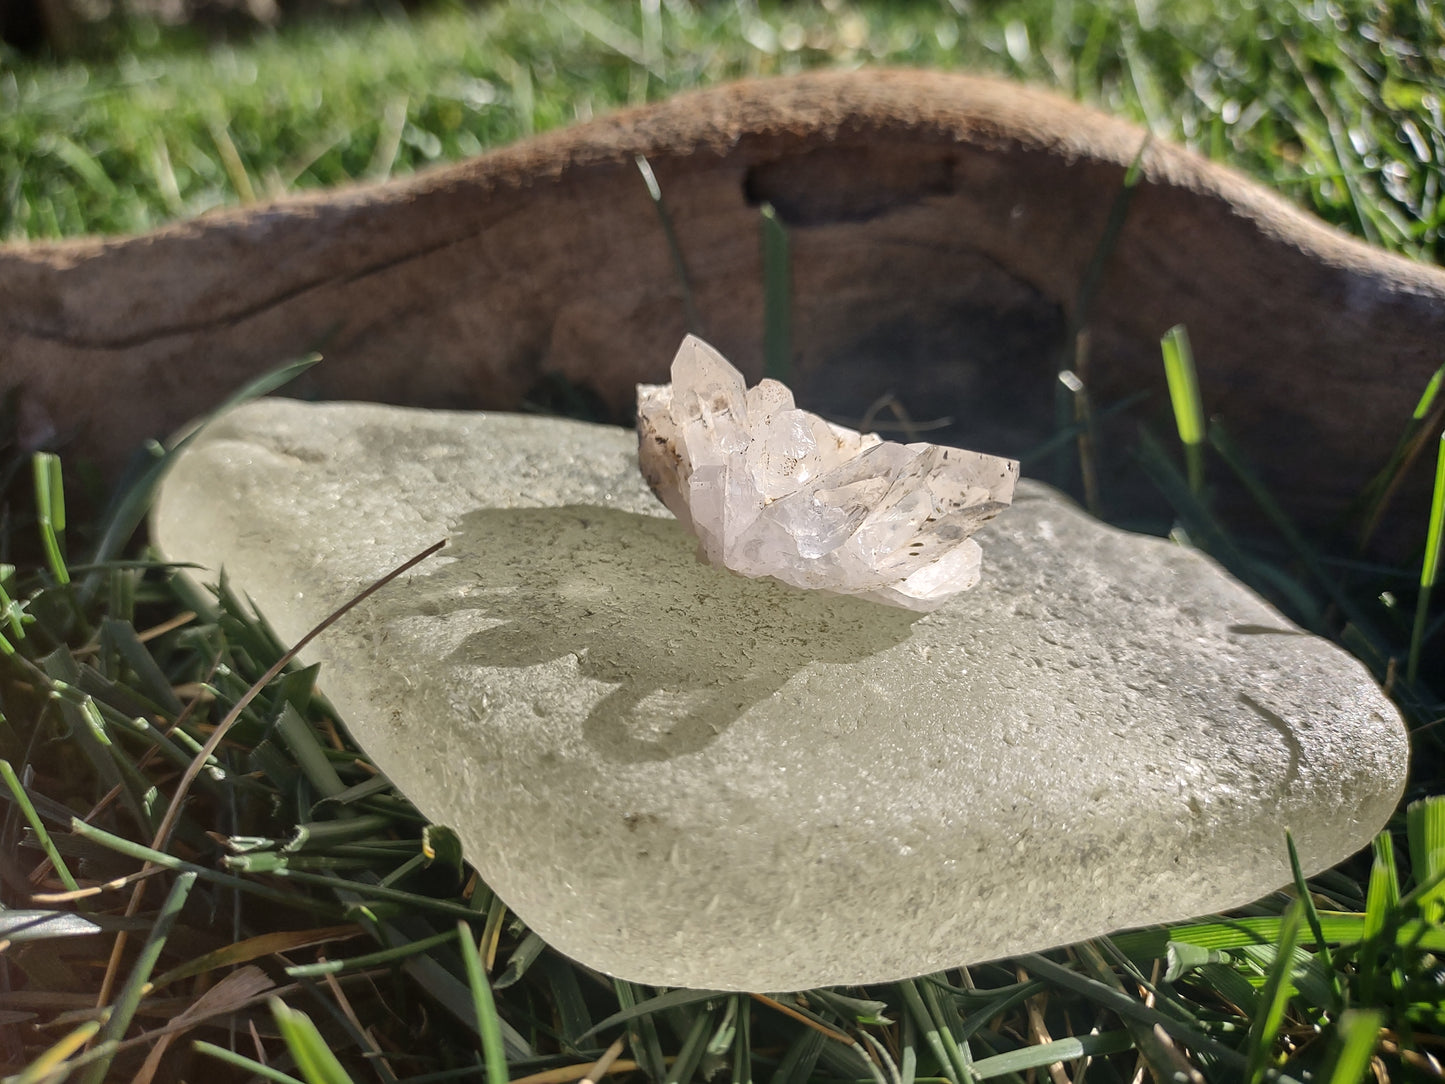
(126, 1003)
(1060, 1050)
(777, 297)
(492, 931)
(155, 859)
(1072, 408)
(32, 818)
(298, 736)
(55, 1055)
(881, 1054)
(1430, 569)
(173, 743)
(489, 1026)
(1358, 1034)
(1274, 998)
(1108, 238)
(219, 733)
(454, 994)
(1228, 933)
(371, 959)
(240, 1061)
(1312, 916)
(134, 498)
(1073, 432)
(1382, 487)
(1183, 381)
(85, 165)
(932, 1033)
(866, 1012)
(145, 674)
(674, 249)
(1229, 985)
(1381, 899)
(948, 1023)
(1155, 1048)
(1124, 1005)
(35, 925)
(1414, 933)
(802, 1056)
(346, 1029)
(521, 960)
(367, 894)
(562, 981)
(50, 511)
(1425, 831)
(743, 1041)
(314, 1058)
(694, 1045)
(823, 1027)
(326, 835)
(1372, 224)
(1224, 444)
(1203, 526)
(89, 724)
(284, 865)
(1083, 417)
(388, 140)
(253, 948)
(1311, 984)
(908, 1055)
(11, 612)
(641, 1028)
(634, 1009)
(1383, 893)
(721, 1039)
(996, 1007)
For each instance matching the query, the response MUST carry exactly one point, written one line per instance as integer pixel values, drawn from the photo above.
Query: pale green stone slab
(688, 778)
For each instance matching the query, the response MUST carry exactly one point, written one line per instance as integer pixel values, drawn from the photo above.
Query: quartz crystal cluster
(771, 490)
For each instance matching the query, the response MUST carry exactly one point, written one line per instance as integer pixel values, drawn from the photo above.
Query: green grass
(296, 919)
(1337, 105)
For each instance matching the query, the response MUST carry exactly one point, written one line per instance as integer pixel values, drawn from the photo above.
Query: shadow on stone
(688, 647)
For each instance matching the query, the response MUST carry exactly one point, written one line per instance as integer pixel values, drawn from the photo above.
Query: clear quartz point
(771, 490)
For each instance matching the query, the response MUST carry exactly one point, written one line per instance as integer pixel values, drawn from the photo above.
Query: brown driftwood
(941, 228)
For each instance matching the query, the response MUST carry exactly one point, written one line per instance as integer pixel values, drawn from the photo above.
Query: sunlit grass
(1338, 105)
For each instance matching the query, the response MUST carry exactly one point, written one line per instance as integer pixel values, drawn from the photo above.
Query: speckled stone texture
(688, 778)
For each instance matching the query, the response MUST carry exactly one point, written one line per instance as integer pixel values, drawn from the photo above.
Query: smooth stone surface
(689, 778)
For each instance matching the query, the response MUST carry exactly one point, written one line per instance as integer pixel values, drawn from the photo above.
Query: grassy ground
(191, 890)
(1339, 105)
